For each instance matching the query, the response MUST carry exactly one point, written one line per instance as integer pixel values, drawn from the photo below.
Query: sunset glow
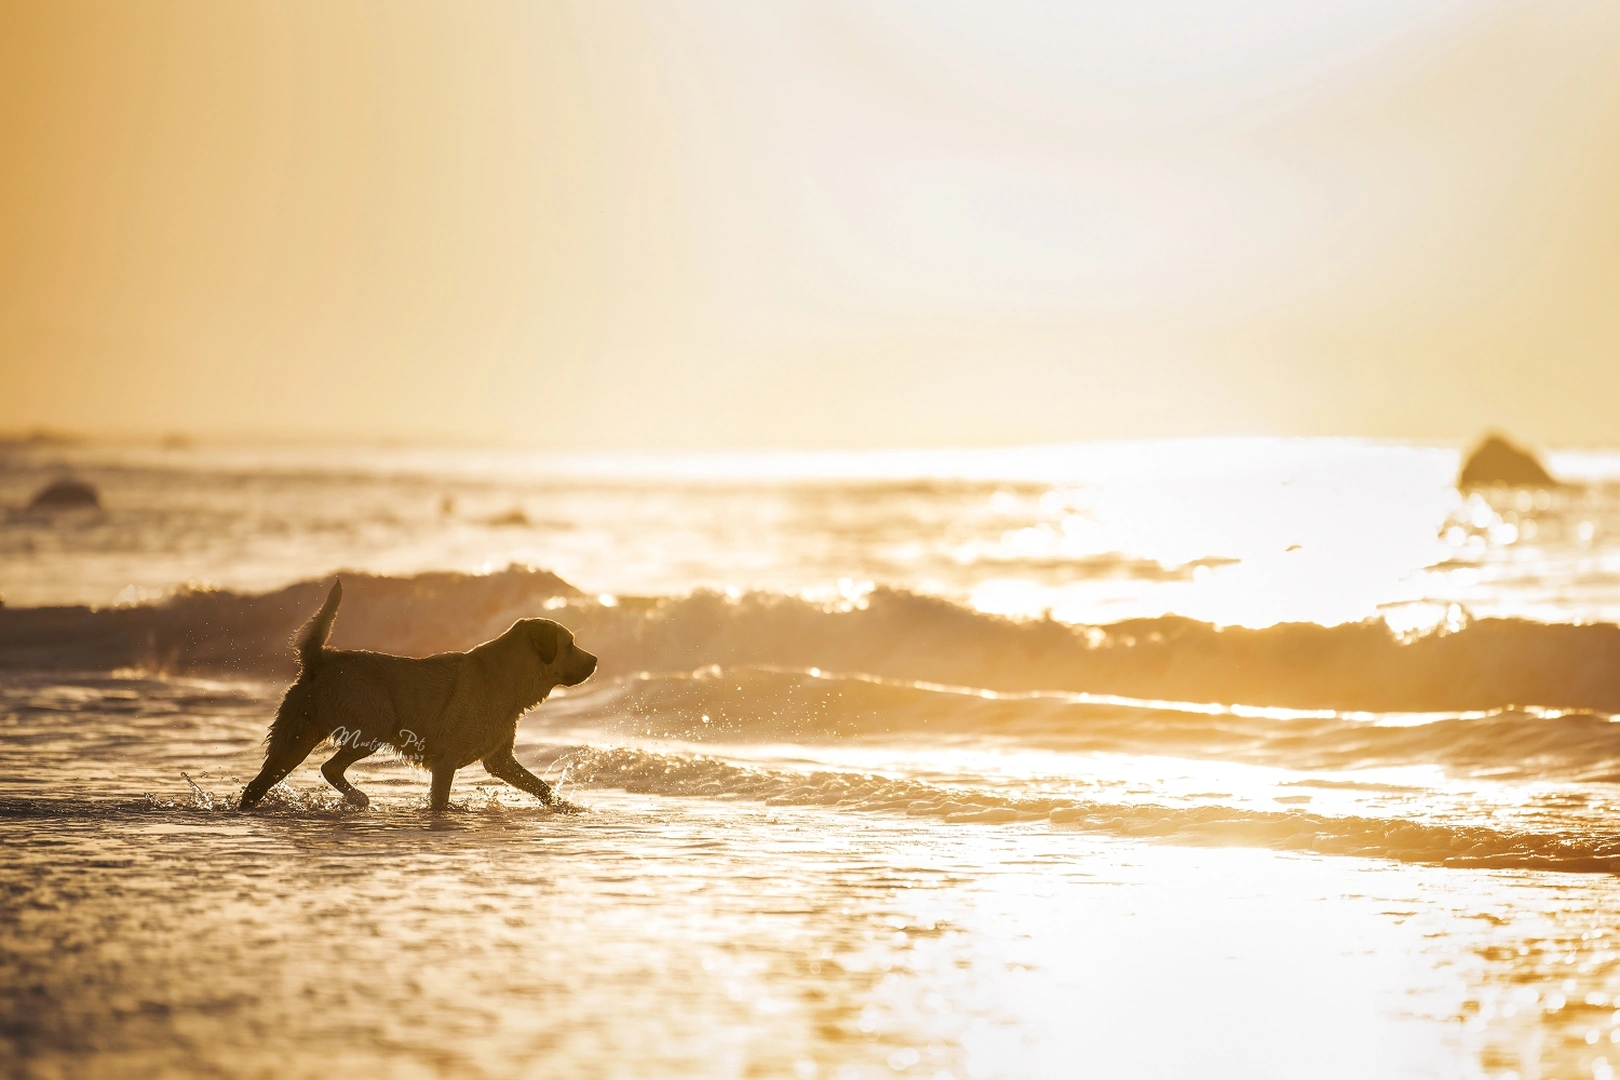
(603, 226)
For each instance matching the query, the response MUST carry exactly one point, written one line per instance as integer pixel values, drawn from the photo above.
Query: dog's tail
(310, 641)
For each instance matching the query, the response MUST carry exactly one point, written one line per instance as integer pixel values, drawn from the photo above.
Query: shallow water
(709, 914)
(838, 819)
(680, 937)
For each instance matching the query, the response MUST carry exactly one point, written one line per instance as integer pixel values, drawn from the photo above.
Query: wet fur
(443, 712)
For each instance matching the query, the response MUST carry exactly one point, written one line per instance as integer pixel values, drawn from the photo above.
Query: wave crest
(1487, 664)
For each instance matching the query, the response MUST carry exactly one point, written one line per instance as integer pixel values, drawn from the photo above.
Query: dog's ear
(545, 643)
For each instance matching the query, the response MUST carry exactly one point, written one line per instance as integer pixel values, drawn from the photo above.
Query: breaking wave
(1487, 664)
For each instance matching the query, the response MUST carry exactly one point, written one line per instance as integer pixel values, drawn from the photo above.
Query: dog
(441, 712)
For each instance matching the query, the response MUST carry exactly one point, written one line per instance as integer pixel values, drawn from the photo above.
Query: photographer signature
(407, 742)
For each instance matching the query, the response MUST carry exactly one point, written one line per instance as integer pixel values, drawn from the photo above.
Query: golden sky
(707, 224)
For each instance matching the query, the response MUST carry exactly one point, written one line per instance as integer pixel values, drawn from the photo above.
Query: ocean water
(1225, 757)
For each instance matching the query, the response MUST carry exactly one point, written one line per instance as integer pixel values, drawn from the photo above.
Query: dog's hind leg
(337, 763)
(284, 756)
(443, 775)
(294, 732)
(503, 766)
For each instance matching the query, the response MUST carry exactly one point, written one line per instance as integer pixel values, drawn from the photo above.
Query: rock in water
(1497, 461)
(65, 493)
(514, 516)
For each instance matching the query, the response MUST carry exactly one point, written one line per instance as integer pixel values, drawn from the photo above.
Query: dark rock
(65, 493)
(1497, 461)
(41, 437)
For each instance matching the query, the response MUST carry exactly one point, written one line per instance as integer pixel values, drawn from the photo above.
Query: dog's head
(553, 644)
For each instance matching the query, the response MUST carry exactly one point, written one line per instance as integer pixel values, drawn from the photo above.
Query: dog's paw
(357, 799)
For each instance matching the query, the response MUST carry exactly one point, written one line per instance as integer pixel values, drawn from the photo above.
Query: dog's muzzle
(583, 667)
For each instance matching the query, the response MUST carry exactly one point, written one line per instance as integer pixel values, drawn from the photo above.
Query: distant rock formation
(1495, 461)
(40, 437)
(65, 494)
(513, 517)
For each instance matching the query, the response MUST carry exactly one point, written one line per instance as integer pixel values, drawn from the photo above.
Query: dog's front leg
(504, 766)
(443, 775)
(333, 771)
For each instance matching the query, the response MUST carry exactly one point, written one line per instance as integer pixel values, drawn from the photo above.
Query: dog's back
(380, 694)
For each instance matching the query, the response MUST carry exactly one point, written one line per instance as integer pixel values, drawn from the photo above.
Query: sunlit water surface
(1123, 888)
(1233, 531)
(699, 931)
